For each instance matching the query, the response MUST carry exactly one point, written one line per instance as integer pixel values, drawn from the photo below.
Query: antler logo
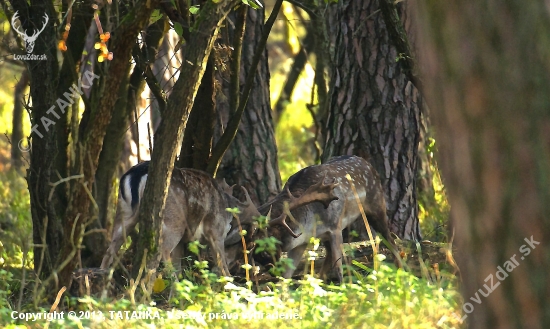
(29, 40)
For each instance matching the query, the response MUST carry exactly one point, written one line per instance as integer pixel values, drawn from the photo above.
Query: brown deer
(195, 210)
(327, 219)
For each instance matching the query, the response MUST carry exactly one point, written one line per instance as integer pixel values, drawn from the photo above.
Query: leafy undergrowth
(15, 219)
(383, 298)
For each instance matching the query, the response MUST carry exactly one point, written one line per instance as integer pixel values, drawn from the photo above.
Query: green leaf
(178, 28)
(194, 10)
(155, 16)
(361, 266)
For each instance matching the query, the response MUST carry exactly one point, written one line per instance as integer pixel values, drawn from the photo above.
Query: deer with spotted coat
(195, 210)
(321, 200)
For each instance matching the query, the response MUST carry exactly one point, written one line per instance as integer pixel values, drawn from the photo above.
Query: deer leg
(177, 255)
(295, 255)
(122, 228)
(217, 246)
(336, 254)
(170, 240)
(327, 263)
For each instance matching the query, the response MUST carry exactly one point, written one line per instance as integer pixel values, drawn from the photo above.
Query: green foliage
(5, 284)
(434, 209)
(15, 219)
(382, 298)
(294, 140)
(255, 4)
(268, 244)
(178, 28)
(195, 246)
(194, 10)
(155, 16)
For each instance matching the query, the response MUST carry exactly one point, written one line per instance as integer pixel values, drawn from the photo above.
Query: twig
(63, 180)
(134, 284)
(23, 276)
(150, 144)
(96, 230)
(246, 267)
(360, 205)
(235, 86)
(137, 128)
(57, 298)
(85, 186)
(42, 255)
(53, 275)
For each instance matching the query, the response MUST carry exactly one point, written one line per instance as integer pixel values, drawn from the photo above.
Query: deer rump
(195, 210)
(326, 220)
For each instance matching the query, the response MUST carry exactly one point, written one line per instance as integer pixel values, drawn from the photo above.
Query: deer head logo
(29, 39)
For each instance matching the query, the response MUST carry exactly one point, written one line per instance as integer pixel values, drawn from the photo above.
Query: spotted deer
(195, 210)
(327, 219)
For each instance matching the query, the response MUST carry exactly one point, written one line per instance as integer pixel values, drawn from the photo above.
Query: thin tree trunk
(170, 131)
(17, 123)
(487, 75)
(298, 65)
(92, 131)
(374, 110)
(111, 152)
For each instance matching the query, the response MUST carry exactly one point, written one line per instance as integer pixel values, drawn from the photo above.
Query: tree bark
(44, 75)
(251, 159)
(487, 75)
(374, 109)
(197, 140)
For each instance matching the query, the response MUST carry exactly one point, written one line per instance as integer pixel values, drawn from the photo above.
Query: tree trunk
(92, 132)
(109, 158)
(374, 110)
(170, 131)
(487, 72)
(46, 215)
(197, 139)
(17, 122)
(251, 160)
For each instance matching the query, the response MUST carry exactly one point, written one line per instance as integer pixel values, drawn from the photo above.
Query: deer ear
(226, 188)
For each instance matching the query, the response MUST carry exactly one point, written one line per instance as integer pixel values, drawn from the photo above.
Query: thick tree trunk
(251, 160)
(374, 110)
(46, 216)
(487, 73)
(197, 139)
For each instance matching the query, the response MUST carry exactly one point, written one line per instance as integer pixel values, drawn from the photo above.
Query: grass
(384, 298)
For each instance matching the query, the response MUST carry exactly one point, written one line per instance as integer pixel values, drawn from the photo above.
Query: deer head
(29, 39)
(319, 192)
